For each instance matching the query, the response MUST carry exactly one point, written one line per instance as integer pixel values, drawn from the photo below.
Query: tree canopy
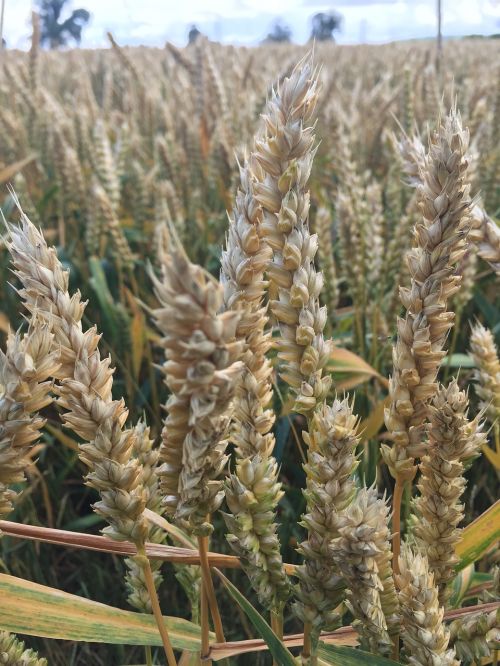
(280, 32)
(56, 31)
(324, 24)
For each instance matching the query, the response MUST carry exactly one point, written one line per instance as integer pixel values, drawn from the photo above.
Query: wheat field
(250, 377)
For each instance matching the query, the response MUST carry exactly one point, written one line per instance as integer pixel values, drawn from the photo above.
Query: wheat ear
(285, 156)
(147, 456)
(440, 243)
(476, 636)
(487, 373)
(453, 440)
(26, 368)
(363, 544)
(85, 395)
(13, 653)
(330, 467)
(252, 491)
(425, 638)
(201, 370)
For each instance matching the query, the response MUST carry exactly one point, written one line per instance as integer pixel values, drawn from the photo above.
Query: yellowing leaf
(479, 536)
(138, 339)
(8, 172)
(345, 362)
(37, 610)
(493, 456)
(61, 437)
(138, 333)
(4, 323)
(370, 426)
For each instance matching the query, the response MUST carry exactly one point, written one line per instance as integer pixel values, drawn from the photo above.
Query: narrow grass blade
(334, 655)
(276, 647)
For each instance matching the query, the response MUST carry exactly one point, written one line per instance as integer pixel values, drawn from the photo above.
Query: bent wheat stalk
(85, 392)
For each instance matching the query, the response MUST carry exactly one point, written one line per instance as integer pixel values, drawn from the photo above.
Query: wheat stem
(155, 605)
(208, 584)
(205, 628)
(306, 648)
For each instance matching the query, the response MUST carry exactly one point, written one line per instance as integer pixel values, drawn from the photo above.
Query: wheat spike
(453, 440)
(285, 157)
(147, 456)
(364, 541)
(476, 636)
(12, 652)
(26, 368)
(202, 369)
(331, 462)
(424, 635)
(253, 491)
(440, 242)
(487, 373)
(85, 384)
(326, 258)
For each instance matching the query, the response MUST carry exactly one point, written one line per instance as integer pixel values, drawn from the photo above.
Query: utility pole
(439, 37)
(2, 12)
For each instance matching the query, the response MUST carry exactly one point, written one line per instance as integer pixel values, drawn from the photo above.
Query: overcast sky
(152, 22)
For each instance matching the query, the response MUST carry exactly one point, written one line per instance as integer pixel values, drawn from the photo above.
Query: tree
(280, 33)
(56, 32)
(324, 25)
(193, 34)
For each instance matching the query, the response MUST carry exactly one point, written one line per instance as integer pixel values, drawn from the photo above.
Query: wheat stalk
(85, 395)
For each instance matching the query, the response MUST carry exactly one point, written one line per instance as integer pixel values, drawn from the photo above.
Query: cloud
(334, 4)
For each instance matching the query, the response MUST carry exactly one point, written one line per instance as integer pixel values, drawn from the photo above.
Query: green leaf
(37, 610)
(459, 361)
(334, 655)
(479, 536)
(283, 656)
(490, 312)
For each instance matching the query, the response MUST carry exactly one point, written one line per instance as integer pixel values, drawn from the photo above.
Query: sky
(153, 22)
